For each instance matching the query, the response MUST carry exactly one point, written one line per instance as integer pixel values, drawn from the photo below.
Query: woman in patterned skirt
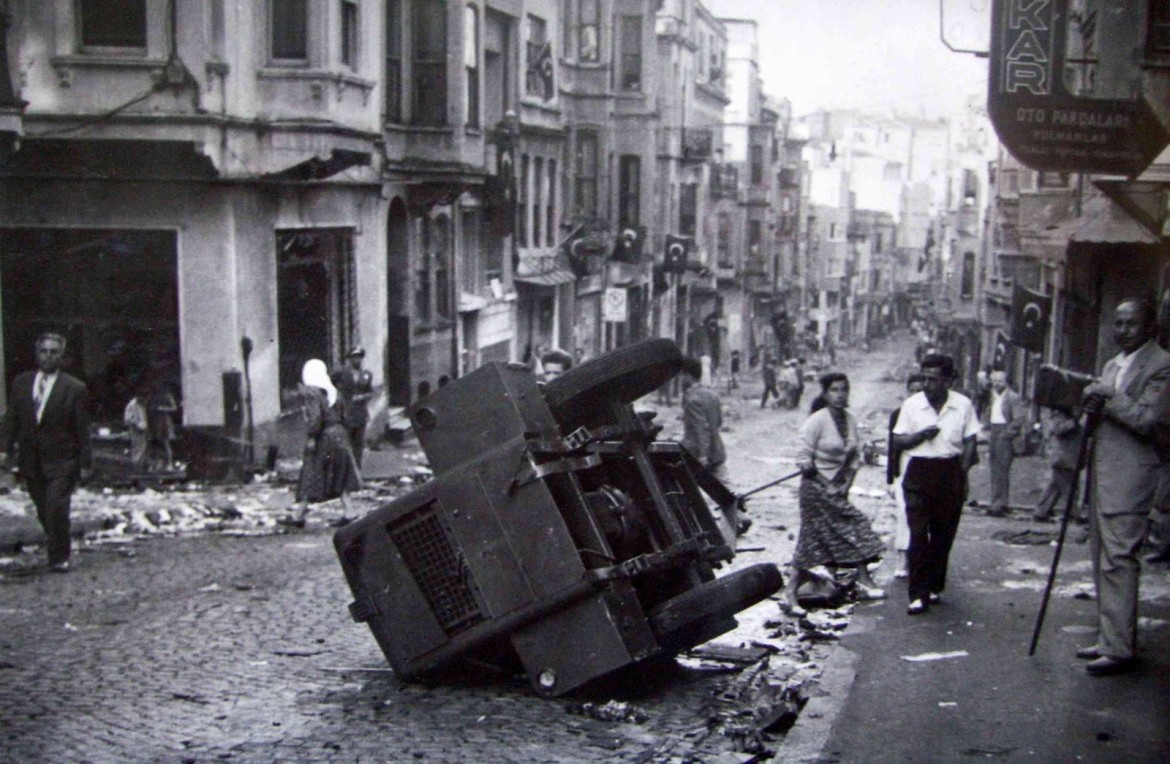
(329, 470)
(832, 531)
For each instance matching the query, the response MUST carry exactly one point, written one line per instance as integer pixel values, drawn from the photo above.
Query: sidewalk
(101, 512)
(988, 699)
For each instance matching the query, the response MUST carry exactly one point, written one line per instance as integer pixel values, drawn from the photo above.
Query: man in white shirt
(935, 432)
(1006, 421)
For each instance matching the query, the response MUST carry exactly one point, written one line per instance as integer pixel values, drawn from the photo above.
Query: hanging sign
(1064, 92)
(613, 307)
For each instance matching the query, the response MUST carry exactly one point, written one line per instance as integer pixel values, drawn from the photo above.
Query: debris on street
(926, 657)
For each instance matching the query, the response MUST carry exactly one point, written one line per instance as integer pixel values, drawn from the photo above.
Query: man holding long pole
(1132, 402)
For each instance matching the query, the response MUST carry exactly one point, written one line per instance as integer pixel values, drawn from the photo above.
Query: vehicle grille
(426, 544)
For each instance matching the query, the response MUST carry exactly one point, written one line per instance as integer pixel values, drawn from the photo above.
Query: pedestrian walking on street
(329, 470)
(893, 474)
(48, 424)
(1131, 406)
(355, 385)
(798, 391)
(160, 419)
(1064, 434)
(936, 432)
(702, 418)
(1005, 420)
(135, 419)
(833, 532)
(770, 390)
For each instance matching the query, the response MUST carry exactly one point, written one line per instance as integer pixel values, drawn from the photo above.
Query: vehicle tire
(706, 611)
(582, 395)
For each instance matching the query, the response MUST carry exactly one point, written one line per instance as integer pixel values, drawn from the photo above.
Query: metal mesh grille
(439, 569)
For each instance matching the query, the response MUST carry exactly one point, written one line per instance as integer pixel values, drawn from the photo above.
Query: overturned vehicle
(557, 531)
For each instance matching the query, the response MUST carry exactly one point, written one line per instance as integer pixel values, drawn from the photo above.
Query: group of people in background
(785, 385)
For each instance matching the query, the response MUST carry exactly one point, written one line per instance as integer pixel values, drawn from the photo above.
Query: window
(551, 212)
(755, 236)
(393, 60)
(967, 279)
(471, 254)
(432, 289)
(1053, 180)
(429, 49)
(688, 206)
(1158, 33)
(522, 203)
(538, 76)
(629, 191)
(757, 160)
(723, 242)
(113, 24)
(630, 73)
(585, 174)
(290, 30)
(498, 90)
(589, 31)
(537, 199)
(349, 34)
(567, 27)
(471, 63)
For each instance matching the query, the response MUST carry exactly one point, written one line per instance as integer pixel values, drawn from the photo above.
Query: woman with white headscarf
(329, 470)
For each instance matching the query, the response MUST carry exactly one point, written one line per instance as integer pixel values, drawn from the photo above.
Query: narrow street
(208, 646)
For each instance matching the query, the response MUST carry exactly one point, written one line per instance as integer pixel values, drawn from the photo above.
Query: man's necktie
(39, 395)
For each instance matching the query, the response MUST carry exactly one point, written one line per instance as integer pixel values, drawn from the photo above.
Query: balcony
(724, 181)
(698, 144)
(755, 195)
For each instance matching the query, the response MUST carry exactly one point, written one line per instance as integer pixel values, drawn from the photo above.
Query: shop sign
(1061, 94)
(613, 307)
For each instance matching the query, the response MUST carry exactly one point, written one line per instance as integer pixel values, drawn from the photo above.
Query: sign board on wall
(1064, 92)
(613, 307)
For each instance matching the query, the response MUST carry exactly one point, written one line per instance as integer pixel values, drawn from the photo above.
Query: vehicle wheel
(582, 395)
(706, 611)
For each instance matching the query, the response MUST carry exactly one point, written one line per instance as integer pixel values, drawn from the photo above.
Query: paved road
(212, 648)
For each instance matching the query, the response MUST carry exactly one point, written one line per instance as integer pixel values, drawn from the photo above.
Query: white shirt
(50, 380)
(997, 416)
(955, 421)
(1124, 361)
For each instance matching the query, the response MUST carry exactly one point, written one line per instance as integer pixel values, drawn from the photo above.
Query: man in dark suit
(356, 386)
(48, 422)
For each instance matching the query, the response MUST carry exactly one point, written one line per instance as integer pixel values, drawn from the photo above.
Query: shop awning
(544, 269)
(1104, 222)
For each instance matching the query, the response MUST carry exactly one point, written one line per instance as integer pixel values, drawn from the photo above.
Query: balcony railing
(697, 143)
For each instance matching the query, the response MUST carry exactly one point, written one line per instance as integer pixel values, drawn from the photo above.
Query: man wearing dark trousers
(48, 423)
(936, 431)
(356, 387)
(1131, 404)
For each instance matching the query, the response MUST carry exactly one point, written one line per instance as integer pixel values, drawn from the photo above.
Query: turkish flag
(1001, 353)
(628, 246)
(677, 250)
(1030, 312)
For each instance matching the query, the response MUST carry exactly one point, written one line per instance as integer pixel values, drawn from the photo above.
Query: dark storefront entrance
(113, 293)
(315, 284)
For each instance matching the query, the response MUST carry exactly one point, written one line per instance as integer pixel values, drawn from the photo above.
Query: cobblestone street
(212, 647)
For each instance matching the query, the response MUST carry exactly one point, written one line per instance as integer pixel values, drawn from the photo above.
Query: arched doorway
(398, 304)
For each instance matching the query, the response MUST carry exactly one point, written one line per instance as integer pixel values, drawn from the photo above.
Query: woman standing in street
(329, 470)
(832, 531)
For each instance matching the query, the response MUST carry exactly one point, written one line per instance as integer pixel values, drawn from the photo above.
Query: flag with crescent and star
(1030, 312)
(627, 248)
(1001, 353)
(677, 251)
